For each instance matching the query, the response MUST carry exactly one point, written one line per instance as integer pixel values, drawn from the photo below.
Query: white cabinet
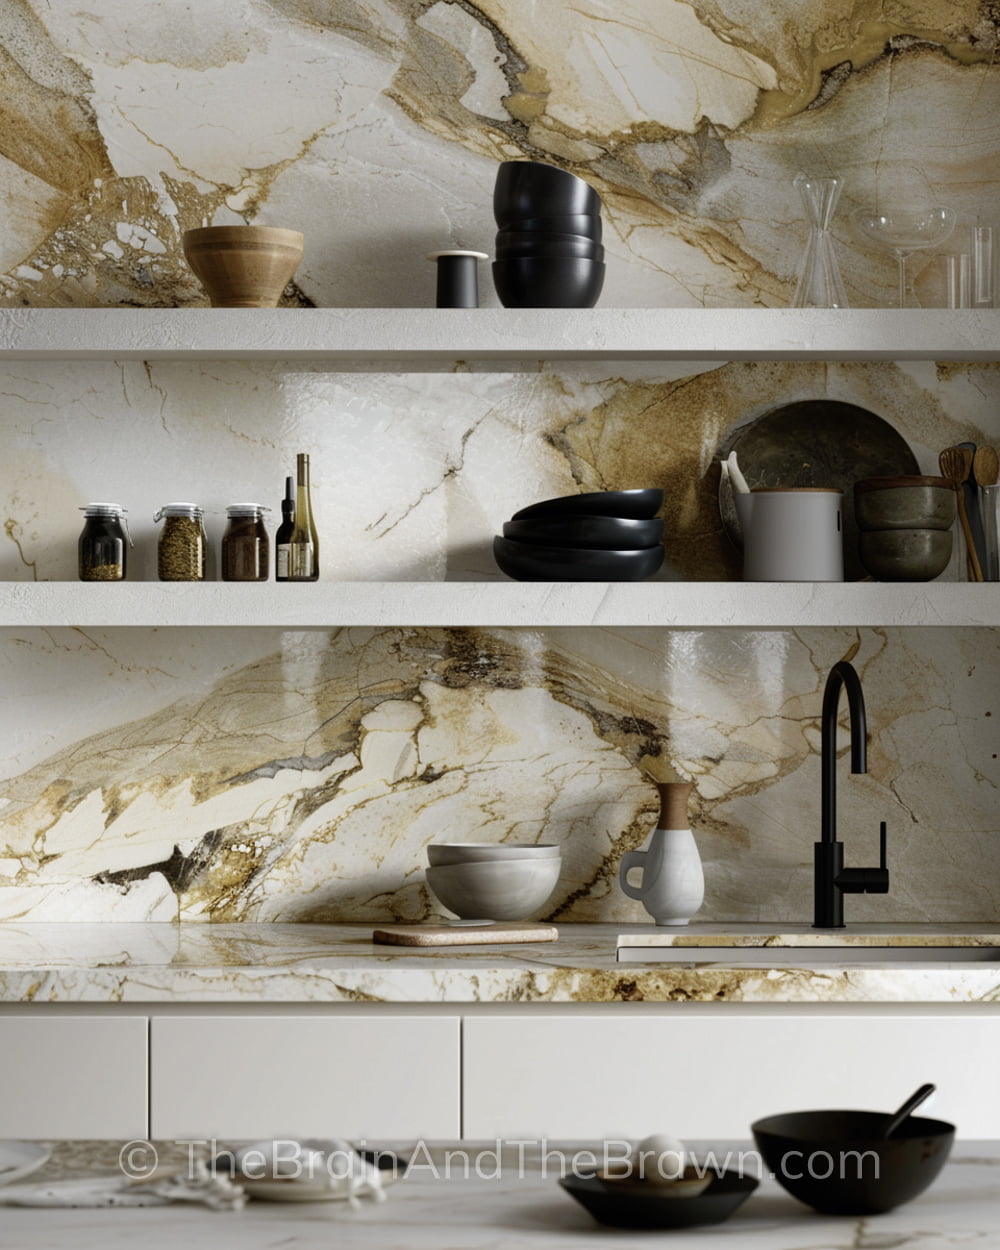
(73, 1076)
(338, 1076)
(711, 1076)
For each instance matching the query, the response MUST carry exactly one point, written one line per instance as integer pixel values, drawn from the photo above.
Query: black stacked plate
(548, 249)
(604, 536)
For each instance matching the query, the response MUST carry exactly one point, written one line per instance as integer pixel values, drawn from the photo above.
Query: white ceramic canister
(673, 883)
(793, 535)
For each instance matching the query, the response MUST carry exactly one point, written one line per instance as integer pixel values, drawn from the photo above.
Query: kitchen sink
(808, 956)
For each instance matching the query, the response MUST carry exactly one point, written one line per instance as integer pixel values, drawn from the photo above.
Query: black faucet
(831, 879)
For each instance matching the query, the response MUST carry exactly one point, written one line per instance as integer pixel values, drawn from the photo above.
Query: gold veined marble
(318, 963)
(375, 128)
(304, 783)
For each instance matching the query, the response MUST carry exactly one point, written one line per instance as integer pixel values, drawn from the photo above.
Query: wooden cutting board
(464, 935)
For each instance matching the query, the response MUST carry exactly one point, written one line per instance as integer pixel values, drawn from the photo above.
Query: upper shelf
(515, 605)
(444, 335)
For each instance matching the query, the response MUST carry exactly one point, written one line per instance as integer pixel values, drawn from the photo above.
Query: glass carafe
(819, 282)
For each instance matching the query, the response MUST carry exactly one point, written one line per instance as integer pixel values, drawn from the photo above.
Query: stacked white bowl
(493, 881)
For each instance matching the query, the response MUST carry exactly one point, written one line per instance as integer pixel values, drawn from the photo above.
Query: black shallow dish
(628, 1206)
(615, 503)
(898, 1170)
(531, 562)
(599, 533)
(548, 282)
(534, 189)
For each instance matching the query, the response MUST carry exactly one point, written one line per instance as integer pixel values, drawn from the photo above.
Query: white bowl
(512, 889)
(482, 852)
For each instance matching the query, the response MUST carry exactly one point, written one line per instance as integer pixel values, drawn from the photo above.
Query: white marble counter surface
(527, 1211)
(288, 963)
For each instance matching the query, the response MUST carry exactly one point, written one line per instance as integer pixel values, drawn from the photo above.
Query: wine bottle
(284, 534)
(303, 545)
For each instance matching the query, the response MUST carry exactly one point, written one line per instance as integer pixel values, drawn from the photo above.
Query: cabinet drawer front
(711, 1077)
(263, 1077)
(73, 1076)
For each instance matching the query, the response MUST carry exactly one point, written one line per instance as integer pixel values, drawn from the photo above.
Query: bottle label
(282, 566)
(301, 562)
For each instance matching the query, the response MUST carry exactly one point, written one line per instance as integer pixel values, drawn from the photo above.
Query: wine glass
(904, 231)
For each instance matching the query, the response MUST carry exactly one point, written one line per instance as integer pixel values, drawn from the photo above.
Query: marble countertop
(296, 963)
(438, 1209)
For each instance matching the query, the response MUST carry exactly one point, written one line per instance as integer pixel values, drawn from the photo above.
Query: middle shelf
(678, 605)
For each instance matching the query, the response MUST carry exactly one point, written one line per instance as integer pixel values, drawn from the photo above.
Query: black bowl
(598, 533)
(582, 224)
(513, 238)
(538, 282)
(531, 562)
(534, 189)
(613, 503)
(569, 245)
(636, 1206)
(837, 1161)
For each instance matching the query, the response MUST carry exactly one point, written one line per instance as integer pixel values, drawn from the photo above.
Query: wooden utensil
(971, 492)
(986, 466)
(955, 464)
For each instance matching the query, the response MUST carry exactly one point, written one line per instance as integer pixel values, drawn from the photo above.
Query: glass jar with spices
(180, 552)
(104, 543)
(245, 548)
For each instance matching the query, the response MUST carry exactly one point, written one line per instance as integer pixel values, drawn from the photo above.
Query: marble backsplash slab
(413, 473)
(376, 129)
(257, 774)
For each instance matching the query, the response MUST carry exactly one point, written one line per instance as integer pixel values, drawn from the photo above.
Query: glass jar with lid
(180, 551)
(245, 547)
(103, 543)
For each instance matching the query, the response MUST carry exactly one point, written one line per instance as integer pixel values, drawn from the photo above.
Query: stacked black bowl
(548, 249)
(604, 536)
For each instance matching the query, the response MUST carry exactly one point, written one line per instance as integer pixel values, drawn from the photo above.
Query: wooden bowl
(243, 266)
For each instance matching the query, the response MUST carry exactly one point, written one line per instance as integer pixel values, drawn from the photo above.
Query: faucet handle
(867, 880)
(876, 880)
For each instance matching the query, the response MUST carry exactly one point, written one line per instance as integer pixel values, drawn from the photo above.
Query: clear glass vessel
(819, 282)
(180, 551)
(245, 548)
(905, 228)
(103, 547)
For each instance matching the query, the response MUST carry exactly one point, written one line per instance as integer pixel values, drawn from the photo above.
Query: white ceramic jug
(673, 884)
(793, 535)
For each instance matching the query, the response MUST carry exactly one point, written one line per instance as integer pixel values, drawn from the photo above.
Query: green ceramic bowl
(904, 503)
(915, 555)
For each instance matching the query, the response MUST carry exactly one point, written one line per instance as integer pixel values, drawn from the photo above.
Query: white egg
(659, 1159)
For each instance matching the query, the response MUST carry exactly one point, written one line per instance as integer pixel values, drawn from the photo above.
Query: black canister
(104, 543)
(457, 278)
(245, 551)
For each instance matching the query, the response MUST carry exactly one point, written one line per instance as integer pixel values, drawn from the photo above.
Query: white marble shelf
(318, 963)
(492, 604)
(358, 335)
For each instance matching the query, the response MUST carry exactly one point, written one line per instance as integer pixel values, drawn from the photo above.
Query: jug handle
(630, 860)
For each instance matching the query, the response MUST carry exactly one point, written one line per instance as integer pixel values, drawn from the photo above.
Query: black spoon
(912, 1103)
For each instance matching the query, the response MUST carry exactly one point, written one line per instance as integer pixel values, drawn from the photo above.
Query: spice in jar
(180, 552)
(245, 548)
(103, 543)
